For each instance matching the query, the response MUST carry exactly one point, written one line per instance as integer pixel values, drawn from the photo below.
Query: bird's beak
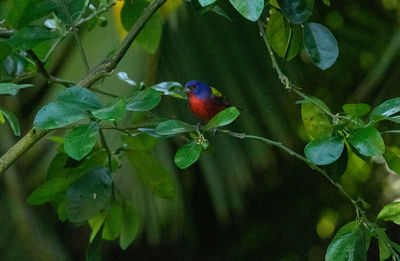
(186, 89)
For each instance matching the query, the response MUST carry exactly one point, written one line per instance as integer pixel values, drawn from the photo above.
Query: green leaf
(336, 169)
(49, 191)
(5, 49)
(278, 34)
(324, 151)
(297, 11)
(321, 46)
(129, 226)
(392, 157)
(349, 244)
(223, 118)
(390, 212)
(113, 222)
(90, 194)
(149, 38)
(25, 11)
(385, 110)
(71, 106)
(93, 252)
(28, 37)
(123, 76)
(174, 89)
(152, 174)
(367, 141)
(357, 110)
(62, 211)
(2, 120)
(12, 88)
(113, 112)
(187, 154)
(384, 250)
(327, 2)
(315, 120)
(172, 127)
(12, 120)
(54, 115)
(204, 3)
(96, 223)
(79, 98)
(141, 142)
(69, 10)
(250, 9)
(144, 100)
(81, 140)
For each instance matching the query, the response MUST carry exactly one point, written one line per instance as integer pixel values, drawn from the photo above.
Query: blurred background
(242, 200)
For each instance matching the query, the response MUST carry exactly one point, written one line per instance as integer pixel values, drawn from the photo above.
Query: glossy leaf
(141, 142)
(349, 244)
(149, 38)
(123, 76)
(384, 250)
(152, 174)
(79, 98)
(278, 33)
(172, 127)
(367, 141)
(297, 11)
(250, 9)
(386, 109)
(223, 118)
(90, 194)
(49, 191)
(357, 110)
(174, 89)
(324, 151)
(336, 169)
(28, 37)
(12, 120)
(187, 154)
(144, 100)
(392, 157)
(321, 46)
(54, 115)
(129, 225)
(207, 2)
(12, 88)
(113, 112)
(81, 140)
(112, 224)
(315, 120)
(390, 212)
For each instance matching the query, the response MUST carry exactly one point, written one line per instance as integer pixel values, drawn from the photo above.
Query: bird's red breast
(206, 108)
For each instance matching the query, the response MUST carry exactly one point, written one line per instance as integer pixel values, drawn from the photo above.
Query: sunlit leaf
(170, 88)
(390, 212)
(112, 224)
(357, 110)
(278, 33)
(386, 110)
(12, 120)
(392, 157)
(96, 223)
(113, 112)
(315, 120)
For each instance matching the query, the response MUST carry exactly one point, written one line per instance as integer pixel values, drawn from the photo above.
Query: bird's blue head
(199, 89)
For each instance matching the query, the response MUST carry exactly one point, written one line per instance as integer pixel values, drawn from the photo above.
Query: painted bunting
(205, 101)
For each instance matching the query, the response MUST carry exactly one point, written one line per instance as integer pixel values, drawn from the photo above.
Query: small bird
(205, 101)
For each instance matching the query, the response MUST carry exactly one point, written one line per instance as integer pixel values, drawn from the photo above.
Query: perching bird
(205, 101)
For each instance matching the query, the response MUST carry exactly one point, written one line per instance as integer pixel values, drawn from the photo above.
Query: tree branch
(103, 69)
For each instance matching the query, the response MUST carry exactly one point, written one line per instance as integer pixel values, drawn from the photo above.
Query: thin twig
(105, 93)
(80, 47)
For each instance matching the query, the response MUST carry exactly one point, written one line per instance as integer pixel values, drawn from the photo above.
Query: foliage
(80, 179)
